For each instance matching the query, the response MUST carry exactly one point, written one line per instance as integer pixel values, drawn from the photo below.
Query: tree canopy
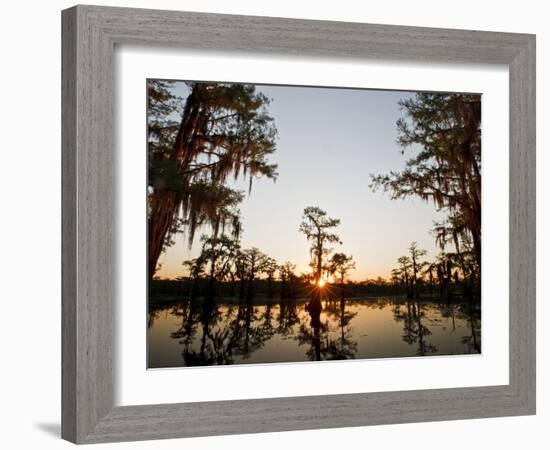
(444, 130)
(224, 130)
(318, 228)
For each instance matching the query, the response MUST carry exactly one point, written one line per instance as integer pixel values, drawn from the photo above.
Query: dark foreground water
(203, 333)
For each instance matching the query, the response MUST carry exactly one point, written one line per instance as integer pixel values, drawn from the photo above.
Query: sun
(321, 282)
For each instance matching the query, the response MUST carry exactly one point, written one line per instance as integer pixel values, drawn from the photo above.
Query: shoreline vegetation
(223, 131)
(173, 291)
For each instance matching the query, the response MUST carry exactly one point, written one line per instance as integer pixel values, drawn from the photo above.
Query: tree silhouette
(270, 266)
(430, 271)
(255, 262)
(195, 267)
(404, 273)
(447, 168)
(240, 269)
(416, 265)
(453, 232)
(224, 131)
(317, 226)
(218, 254)
(288, 280)
(444, 265)
(340, 265)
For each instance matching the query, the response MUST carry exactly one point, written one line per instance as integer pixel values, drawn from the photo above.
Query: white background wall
(31, 208)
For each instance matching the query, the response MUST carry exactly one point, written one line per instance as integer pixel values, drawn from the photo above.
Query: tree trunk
(242, 287)
(164, 206)
(212, 280)
(283, 292)
(414, 280)
(251, 278)
(319, 256)
(477, 249)
(407, 286)
(164, 203)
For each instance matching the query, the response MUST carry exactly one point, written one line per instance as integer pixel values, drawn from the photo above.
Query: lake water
(203, 333)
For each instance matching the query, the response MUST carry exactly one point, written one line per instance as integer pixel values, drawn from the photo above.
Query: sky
(329, 142)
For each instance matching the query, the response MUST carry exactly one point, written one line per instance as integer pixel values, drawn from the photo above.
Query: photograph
(262, 225)
(291, 224)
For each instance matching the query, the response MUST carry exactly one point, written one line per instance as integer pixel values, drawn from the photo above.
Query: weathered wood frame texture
(89, 36)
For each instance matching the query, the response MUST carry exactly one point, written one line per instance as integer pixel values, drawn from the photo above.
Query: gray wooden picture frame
(90, 34)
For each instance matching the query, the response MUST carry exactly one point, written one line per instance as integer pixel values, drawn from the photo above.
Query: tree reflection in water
(209, 332)
(328, 338)
(415, 330)
(236, 332)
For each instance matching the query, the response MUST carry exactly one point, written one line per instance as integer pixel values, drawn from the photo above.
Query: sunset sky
(330, 140)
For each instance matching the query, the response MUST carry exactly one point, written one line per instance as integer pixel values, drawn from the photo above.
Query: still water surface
(200, 333)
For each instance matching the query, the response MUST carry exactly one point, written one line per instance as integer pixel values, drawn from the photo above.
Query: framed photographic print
(254, 200)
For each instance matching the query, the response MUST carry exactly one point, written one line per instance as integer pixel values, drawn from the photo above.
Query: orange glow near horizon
(321, 282)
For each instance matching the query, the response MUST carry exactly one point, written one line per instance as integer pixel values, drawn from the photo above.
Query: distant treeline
(296, 289)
